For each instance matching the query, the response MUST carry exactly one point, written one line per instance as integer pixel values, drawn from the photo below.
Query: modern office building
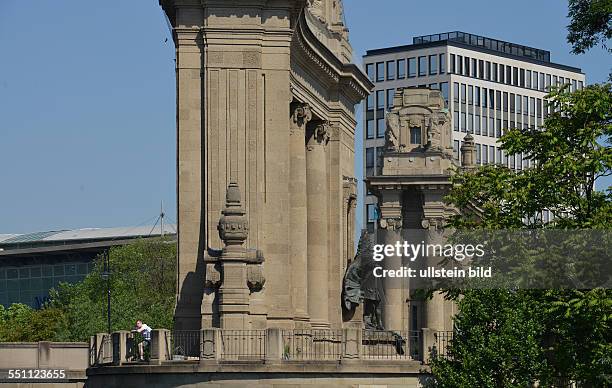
(488, 85)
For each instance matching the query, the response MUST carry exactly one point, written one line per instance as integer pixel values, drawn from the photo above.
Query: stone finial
(468, 152)
(233, 226)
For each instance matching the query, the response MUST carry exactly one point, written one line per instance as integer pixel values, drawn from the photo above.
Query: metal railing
(391, 345)
(243, 344)
(185, 344)
(304, 344)
(442, 340)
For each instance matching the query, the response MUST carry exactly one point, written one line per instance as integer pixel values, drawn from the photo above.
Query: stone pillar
(160, 345)
(390, 228)
(119, 340)
(190, 138)
(316, 191)
(298, 228)
(234, 292)
(468, 152)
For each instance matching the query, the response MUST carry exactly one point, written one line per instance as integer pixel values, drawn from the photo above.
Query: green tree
(142, 284)
(590, 24)
(565, 334)
(21, 323)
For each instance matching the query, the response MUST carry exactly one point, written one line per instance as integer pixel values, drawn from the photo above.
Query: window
(456, 149)
(548, 82)
(541, 84)
(509, 75)
(370, 71)
(488, 71)
(470, 123)
(477, 96)
(433, 64)
(505, 101)
(481, 71)
(442, 63)
(522, 78)
(456, 121)
(452, 63)
(501, 73)
(532, 106)
(370, 129)
(491, 154)
(474, 67)
(574, 85)
(494, 77)
(491, 127)
(411, 67)
(491, 99)
(498, 128)
(390, 93)
(463, 93)
(370, 102)
(390, 70)
(555, 81)
(498, 155)
(466, 66)
(512, 103)
(380, 99)
(498, 100)
(528, 79)
(470, 94)
(518, 105)
(415, 135)
(456, 91)
(483, 129)
(459, 64)
(477, 124)
(463, 125)
(371, 209)
(539, 108)
(478, 154)
(444, 90)
(534, 80)
(515, 76)
(580, 85)
(422, 66)
(380, 127)
(380, 71)
(484, 97)
(370, 157)
(401, 68)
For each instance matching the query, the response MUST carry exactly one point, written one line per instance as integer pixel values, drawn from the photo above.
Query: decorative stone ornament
(233, 226)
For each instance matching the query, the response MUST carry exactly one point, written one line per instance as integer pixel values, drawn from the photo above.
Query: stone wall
(72, 357)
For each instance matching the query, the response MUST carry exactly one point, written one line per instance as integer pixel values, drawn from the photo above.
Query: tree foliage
(590, 24)
(142, 283)
(512, 338)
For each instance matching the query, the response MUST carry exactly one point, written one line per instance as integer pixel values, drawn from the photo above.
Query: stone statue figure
(391, 134)
(317, 9)
(361, 286)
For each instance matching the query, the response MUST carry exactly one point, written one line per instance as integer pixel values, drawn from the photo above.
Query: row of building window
(411, 67)
(509, 75)
(31, 284)
(470, 67)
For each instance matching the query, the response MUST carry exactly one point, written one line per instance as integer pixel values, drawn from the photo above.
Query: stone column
(390, 233)
(316, 191)
(298, 228)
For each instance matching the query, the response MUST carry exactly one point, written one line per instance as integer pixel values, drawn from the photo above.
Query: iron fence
(243, 344)
(185, 344)
(391, 345)
(442, 340)
(312, 344)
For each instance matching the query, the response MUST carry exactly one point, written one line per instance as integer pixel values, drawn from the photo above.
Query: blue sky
(87, 94)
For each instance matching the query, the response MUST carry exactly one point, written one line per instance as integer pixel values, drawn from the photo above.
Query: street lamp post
(106, 275)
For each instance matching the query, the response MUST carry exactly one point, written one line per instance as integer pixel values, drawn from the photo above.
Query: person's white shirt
(145, 330)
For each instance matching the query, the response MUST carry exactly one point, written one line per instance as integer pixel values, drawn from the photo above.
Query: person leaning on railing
(145, 331)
